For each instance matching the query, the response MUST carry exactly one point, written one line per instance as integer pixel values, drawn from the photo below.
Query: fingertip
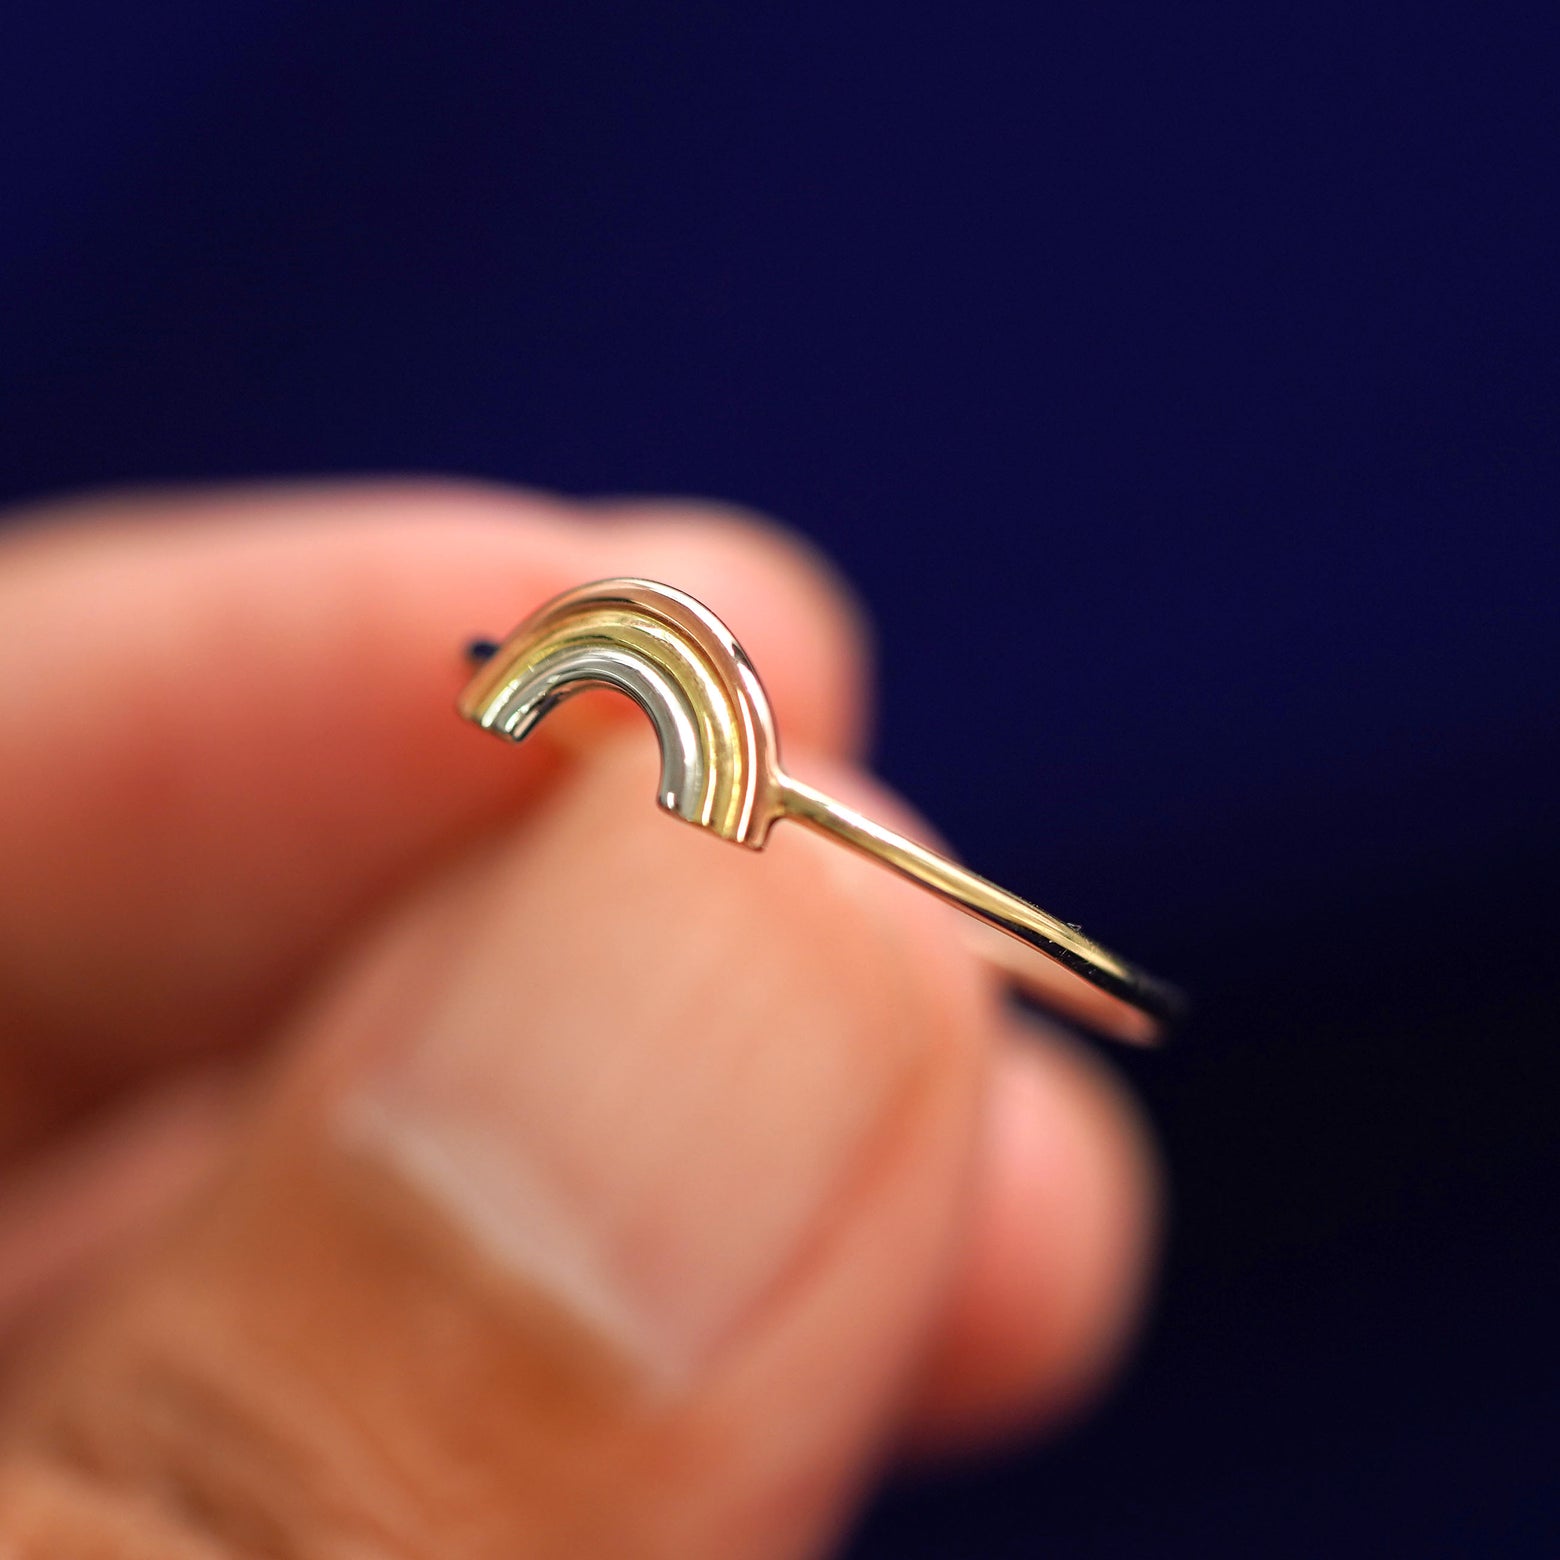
(279, 754)
(1064, 1229)
(639, 1148)
(795, 613)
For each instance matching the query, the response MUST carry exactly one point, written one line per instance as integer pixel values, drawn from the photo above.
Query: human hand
(420, 1147)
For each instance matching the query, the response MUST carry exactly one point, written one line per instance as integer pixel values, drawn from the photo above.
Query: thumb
(602, 1208)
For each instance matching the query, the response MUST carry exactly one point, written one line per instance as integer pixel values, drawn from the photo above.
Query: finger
(226, 733)
(91, 1198)
(1057, 1250)
(1059, 1237)
(602, 1210)
(46, 1513)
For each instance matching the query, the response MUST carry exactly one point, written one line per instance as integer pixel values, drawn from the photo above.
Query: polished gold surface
(720, 770)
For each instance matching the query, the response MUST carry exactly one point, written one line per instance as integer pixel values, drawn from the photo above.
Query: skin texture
(414, 1146)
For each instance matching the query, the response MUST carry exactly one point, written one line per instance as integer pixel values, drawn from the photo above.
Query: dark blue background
(1193, 370)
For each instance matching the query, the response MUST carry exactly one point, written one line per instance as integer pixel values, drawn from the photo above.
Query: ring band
(720, 770)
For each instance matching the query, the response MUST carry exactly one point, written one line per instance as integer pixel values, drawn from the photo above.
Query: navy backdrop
(1211, 347)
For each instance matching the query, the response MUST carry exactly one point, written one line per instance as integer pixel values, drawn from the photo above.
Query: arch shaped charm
(674, 658)
(720, 769)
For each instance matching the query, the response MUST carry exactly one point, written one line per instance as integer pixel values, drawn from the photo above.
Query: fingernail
(652, 1065)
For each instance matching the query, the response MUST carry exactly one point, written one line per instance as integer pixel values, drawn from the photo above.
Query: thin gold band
(720, 770)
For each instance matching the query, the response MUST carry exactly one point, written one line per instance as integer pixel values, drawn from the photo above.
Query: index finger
(226, 737)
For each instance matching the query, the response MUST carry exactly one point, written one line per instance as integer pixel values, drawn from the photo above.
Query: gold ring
(720, 769)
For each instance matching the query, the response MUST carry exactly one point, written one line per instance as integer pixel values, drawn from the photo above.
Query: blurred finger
(602, 1210)
(100, 1191)
(1057, 1250)
(226, 733)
